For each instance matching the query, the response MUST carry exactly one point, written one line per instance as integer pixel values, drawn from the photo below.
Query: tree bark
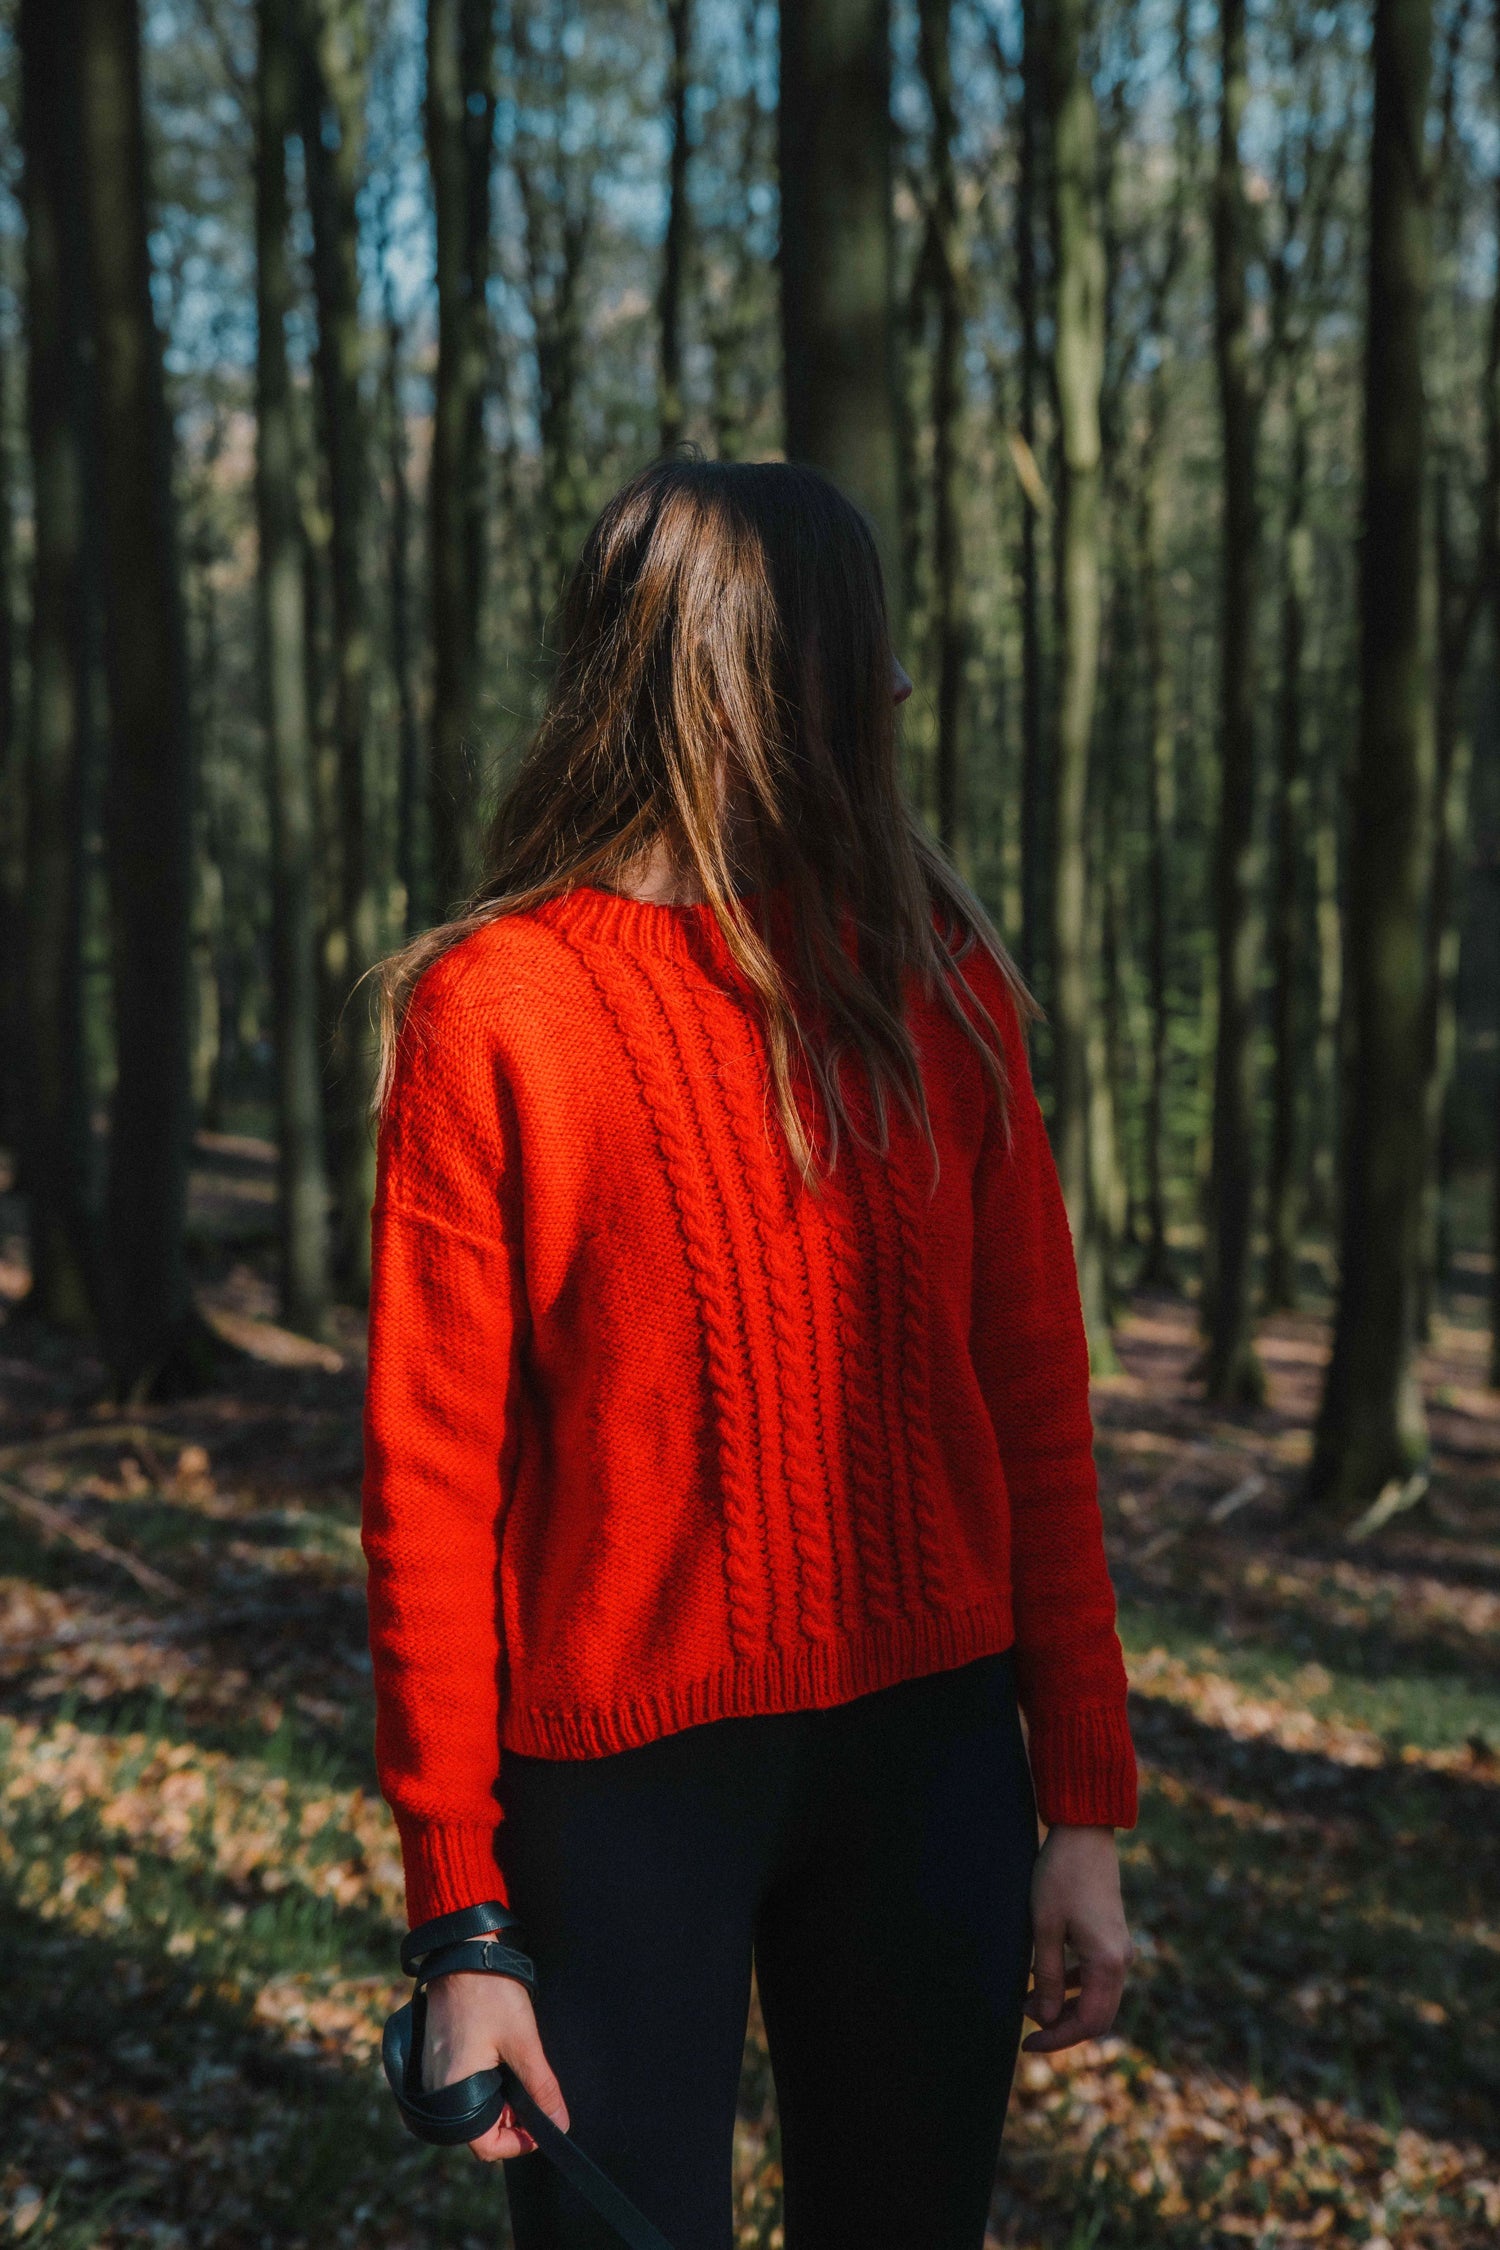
(1371, 1433)
(1457, 612)
(949, 620)
(1033, 777)
(460, 139)
(1078, 270)
(332, 135)
(559, 200)
(730, 307)
(1460, 602)
(1284, 1192)
(1495, 1252)
(208, 1018)
(838, 343)
(1327, 1071)
(674, 247)
(55, 1151)
(1490, 560)
(412, 859)
(153, 1337)
(1109, 1200)
(1157, 1267)
(555, 273)
(1233, 1373)
(12, 783)
(303, 1212)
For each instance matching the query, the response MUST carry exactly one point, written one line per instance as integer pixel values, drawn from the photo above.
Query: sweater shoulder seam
(388, 1207)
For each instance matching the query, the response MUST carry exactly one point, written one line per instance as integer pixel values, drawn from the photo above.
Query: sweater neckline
(685, 931)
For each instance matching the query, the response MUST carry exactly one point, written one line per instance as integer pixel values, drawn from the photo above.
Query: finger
(506, 2137)
(1051, 2041)
(1070, 2029)
(1103, 1983)
(501, 2142)
(1088, 2014)
(1031, 2006)
(536, 2075)
(1049, 1975)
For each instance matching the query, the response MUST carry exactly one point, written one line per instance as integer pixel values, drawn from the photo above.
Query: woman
(729, 1488)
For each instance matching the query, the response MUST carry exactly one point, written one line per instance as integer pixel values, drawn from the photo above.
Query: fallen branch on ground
(57, 1525)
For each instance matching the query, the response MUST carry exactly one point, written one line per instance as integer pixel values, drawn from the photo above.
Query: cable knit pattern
(806, 1474)
(932, 1545)
(870, 1490)
(713, 1273)
(655, 1435)
(881, 1334)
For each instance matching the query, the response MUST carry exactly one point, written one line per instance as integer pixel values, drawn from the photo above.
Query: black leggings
(877, 1857)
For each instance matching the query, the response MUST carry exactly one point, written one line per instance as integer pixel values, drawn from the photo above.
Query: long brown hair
(724, 643)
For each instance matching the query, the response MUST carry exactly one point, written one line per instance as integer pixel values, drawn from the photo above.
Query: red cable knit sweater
(654, 1436)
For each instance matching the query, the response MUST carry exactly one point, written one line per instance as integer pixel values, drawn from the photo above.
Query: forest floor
(199, 1884)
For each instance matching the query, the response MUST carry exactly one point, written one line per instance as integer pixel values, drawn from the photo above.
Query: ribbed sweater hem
(1082, 1759)
(816, 1675)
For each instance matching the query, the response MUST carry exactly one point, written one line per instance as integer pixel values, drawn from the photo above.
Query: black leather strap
(488, 1958)
(452, 2115)
(450, 1929)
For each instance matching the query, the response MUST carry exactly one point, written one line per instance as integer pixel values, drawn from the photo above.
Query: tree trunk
(909, 336)
(1371, 1435)
(12, 785)
(332, 133)
(303, 1213)
(1490, 558)
(1033, 779)
(55, 1151)
(411, 794)
(153, 1336)
(1156, 1269)
(1111, 1099)
(1495, 1252)
(838, 345)
(1078, 269)
(1108, 1190)
(1284, 1193)
(1232, 1369)
(1327, 1073)
(674, 247)
(460, 138)
(1110, 1069)
(1457, 615)
(205, 661)
(949, 622)
(558, 193)
(558, 320)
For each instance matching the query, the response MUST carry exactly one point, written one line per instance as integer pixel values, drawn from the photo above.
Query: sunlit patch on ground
(1192, 2154)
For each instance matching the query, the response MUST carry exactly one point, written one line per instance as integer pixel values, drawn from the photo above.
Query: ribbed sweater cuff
(1083, 1766)
(448, 1868)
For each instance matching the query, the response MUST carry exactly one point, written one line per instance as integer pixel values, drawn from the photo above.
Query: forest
(1160, 341)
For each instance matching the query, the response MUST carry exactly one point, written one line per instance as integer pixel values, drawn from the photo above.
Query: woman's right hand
(475, 2022)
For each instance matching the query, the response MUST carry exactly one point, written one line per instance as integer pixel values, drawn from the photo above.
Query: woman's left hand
(1075, 1905)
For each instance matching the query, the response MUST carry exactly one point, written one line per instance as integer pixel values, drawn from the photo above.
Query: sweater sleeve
(447, 1325)
(1031, 1357)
